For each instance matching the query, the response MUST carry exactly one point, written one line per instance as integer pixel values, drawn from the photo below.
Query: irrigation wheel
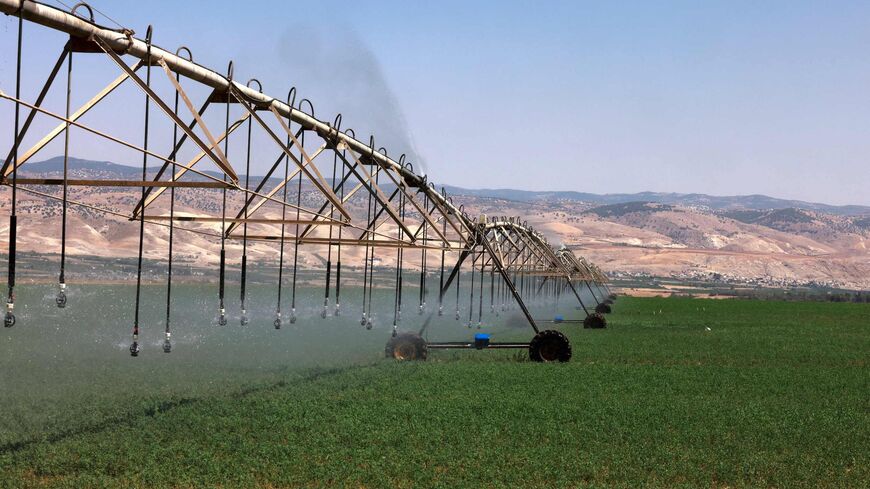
(550, 346)
(603, 308)
(407, 346)
(595, 321)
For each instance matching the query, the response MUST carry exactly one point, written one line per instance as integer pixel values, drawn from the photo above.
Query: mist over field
(60, 363)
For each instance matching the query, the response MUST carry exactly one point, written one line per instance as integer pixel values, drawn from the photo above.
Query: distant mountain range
(735, 202)
(718, 203)
(56, 165)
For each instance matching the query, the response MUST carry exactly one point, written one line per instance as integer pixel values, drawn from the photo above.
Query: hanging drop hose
(512, 304)
(277, 323)
(458, 276)
(296, 244)
(480, 293)
(338, 246)
(441, 280)
(471, 289)
(9, 318)
(134, 347)
(500, 295)
(423, 263)
(167, 344)
(60, 300)
(222, 319)
(492, 286)
(522, 272)
(364, 320)
(400, 263)
(243, 320)
(369, 236)
(296, 235)
(323, 313)
(404, 202)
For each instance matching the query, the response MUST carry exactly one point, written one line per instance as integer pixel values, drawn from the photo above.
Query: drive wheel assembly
(550, 346)
(603, 308)
(595, 321)
(407, 346)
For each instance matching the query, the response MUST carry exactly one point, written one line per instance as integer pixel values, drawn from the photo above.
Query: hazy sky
(713, 97)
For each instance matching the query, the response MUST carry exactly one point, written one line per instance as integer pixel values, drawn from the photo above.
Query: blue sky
(713, 97)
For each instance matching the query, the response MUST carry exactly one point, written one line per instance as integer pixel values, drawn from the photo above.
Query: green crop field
(675, 393)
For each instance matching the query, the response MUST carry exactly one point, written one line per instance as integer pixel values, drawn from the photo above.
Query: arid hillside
(766, 246)
(771, 247)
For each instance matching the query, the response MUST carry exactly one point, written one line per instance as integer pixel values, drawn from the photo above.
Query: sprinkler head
(167, 345)
(60, 300)
(369, 324)
(244, 319)
(323, 312)
(222, 320)
(457, 314)
(337, 309)
(399, 315)
(134, 349)
(362, 322)
(9, 320)
(478, 325)
(277, 322)
(468, 325)
(440, 311)
(293, 316)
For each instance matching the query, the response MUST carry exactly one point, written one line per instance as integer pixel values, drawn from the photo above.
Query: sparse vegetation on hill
(862, 222)
(781, 219)
(619, 210)
(749, 216)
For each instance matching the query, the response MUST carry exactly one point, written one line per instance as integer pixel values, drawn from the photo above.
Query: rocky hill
(732, 237)
(737, 202)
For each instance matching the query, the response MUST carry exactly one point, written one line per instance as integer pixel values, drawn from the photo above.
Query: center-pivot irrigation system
(370, 201)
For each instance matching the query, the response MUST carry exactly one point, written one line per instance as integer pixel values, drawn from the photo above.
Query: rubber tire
(550, 346)
(603, 308)
(595, 321)
(407, 346)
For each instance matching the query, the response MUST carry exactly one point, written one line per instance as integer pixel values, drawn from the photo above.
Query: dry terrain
(765, 246)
